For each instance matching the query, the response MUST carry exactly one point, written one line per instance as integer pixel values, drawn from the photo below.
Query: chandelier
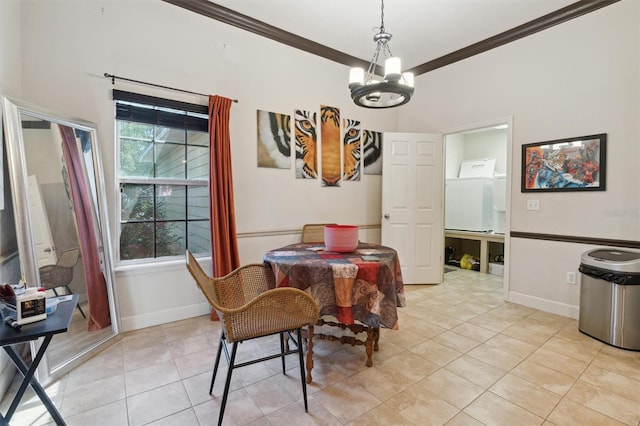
(369, 90)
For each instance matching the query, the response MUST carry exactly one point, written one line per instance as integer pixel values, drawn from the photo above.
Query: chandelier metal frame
(394, 89)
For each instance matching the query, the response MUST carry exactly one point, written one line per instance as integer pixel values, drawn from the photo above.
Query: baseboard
(163, 317)
(546, 305)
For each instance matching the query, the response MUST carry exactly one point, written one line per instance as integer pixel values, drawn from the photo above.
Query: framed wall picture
(573, 164)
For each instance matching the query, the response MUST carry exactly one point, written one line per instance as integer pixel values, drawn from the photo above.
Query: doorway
(477, 185)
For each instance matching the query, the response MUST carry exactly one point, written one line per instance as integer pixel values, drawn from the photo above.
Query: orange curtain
(96, 285)
(224, 242)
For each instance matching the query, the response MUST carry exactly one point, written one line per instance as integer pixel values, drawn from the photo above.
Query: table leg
(309, 353)
(376, 338)
(28, 379)
(369, 346)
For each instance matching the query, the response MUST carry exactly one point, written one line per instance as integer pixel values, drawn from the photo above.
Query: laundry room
(475, 199)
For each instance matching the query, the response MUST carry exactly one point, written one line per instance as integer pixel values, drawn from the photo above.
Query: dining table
(358, 291)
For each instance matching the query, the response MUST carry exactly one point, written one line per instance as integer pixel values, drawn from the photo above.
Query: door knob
(387, 216)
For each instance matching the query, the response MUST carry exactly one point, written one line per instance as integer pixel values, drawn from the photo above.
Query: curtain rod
(115, 77)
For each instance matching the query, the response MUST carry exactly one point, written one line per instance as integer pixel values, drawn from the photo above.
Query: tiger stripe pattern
(351, 150)
(372, 152)
(331, 141)
(306, 145)
(274, 140)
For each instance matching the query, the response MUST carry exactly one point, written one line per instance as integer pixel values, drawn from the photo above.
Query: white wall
(487, 144)
(578, 78)
(160, 43)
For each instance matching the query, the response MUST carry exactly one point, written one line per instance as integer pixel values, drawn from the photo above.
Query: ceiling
(424, 31)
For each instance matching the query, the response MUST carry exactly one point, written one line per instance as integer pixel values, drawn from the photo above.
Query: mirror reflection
(63, 242)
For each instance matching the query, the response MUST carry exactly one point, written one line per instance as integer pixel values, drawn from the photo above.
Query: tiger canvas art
(306, 161)
(351, 150)
(330, 128)
(274, 140)
(372, 152)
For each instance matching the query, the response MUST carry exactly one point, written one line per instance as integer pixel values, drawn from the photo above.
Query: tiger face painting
(306, 145)
(274, 140)
(372, 152)
(351, 150)
(330, 127)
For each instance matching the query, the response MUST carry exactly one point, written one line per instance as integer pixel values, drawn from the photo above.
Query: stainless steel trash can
(610, 297)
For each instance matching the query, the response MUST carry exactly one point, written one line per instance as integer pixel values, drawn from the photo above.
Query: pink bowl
(341, 238)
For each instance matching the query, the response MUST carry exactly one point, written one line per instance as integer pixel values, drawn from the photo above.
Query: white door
(412, 218)
(44, 241)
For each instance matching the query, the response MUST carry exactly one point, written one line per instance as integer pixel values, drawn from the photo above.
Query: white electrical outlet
(533, 204)
(571, 278)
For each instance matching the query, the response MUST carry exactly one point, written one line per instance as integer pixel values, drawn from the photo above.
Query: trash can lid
(613, 259)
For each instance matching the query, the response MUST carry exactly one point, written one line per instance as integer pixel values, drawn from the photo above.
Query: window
(163, 150)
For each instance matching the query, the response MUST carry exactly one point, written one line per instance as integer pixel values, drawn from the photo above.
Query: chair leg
(215, 365)
(223, 404)
(66, 287)
(282, 356)
(302, 377)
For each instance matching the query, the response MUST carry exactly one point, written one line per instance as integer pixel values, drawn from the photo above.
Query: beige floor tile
(544, 377)
(145, 356)
(463, 419)
(454, 389)
(275, 392)
(559, 362)
(492, 409)
(571, 349)
(381, 380)
(569, 413)
(526, 394)
(612, 382)
(345, 401)
(240, 410)
(474, 332)
(627, 366)
(421, 327)
(496, 357)
(605, 402)
(157, 403)
(183, 418)
(114, 414)
(435, 352)
(411, 367)
(526, 334)
(511, 345)
(153, 376)
(456, 341)
(92, 395)
(294, 414)
(422, 407)
(382, 415)
(475, 371)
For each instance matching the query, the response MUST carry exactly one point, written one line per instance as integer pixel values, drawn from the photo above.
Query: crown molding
(228, 16)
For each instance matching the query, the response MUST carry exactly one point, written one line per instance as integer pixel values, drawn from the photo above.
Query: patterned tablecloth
(364, 285)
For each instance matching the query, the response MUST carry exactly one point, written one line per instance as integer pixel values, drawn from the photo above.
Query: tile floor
(461, 357)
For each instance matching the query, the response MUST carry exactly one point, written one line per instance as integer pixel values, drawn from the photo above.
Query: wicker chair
(59, 275)
(314, 232)
(249, 306)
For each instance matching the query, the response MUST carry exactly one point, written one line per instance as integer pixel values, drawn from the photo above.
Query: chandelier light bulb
(392, 67)
(356, 76)
(408, 78)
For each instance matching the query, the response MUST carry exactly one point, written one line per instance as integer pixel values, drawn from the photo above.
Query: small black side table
(56, 323)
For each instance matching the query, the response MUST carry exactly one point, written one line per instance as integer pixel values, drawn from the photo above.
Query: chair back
(314, 232)
(68, 258)
(249, 305)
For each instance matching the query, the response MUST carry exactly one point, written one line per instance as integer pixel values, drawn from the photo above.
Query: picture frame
(571, 164)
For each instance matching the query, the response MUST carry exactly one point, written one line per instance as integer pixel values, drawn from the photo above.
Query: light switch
(533, 204)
